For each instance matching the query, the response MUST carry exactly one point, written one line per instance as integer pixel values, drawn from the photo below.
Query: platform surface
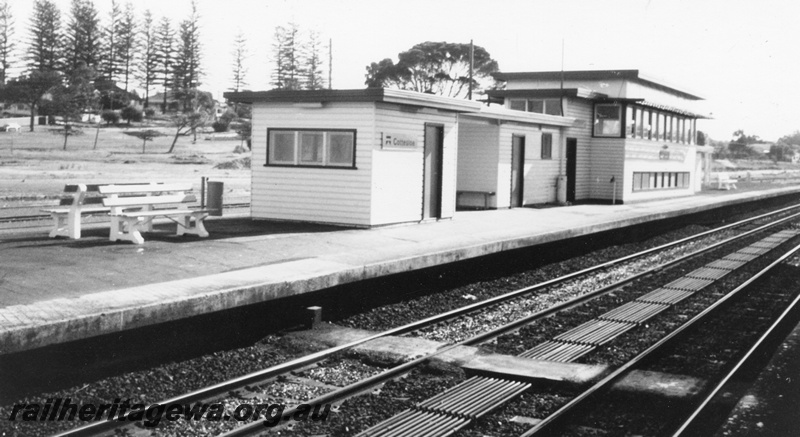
(58, 290)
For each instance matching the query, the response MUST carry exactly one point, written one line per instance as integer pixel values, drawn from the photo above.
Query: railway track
(502, 391)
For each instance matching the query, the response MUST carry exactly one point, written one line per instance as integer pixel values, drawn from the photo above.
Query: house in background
(634, 137)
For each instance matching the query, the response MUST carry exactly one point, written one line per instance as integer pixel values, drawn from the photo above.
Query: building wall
(581, 110)
(643, 156)
(539, 185)
(329, 195)
(478, 161)
(397, 177)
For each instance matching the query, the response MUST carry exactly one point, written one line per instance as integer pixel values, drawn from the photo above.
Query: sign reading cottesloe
(391, 140)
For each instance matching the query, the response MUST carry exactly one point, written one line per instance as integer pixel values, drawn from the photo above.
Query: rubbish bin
(214, 198)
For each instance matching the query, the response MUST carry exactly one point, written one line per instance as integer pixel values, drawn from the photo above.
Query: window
(311, 147)
(640, 132)
(647, 181)
(630, 122)
(647, 124)
(607, 120)
(547, 146)
(539, 106)
(517, 105)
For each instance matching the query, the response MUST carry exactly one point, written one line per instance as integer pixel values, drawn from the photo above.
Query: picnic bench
(67, 217)
(725, 182)
(486, 195)
(133, 208)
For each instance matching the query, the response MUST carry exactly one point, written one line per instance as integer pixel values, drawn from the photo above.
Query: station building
(635, 137)
(374, 157)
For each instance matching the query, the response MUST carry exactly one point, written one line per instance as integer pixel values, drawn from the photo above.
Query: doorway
(432, 174)
(572, 157)
(517, 170)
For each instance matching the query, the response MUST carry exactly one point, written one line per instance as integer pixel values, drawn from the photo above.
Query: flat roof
(504, 114)
(401, 97)
(633, 75)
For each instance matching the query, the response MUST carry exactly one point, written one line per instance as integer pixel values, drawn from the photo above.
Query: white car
(12, 127)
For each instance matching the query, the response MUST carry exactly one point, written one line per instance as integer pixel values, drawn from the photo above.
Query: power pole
(330, 63)
(471, 67)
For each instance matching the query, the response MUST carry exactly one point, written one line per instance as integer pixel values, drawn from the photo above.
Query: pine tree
(186, 69)
(165, 57)
(315, 79)
(289, 69)
(148, 68)
(239, 69)
(127, 48)
(44, 52)
(6, 40)
(82, 36)
(110, 68)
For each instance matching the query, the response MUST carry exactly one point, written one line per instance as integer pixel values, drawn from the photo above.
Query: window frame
(595, 127)
(549, 149)
(325, 160)
(660, 180)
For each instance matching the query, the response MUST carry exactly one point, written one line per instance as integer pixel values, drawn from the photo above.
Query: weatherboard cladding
(539, 185)
(581, 110)
(478, 161)
(397, 177)
(313, 194)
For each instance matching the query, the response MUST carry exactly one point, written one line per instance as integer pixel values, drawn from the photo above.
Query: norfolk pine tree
(148, 68)
(6, 40)
(82, 36)
(44, 51)
(165, 55)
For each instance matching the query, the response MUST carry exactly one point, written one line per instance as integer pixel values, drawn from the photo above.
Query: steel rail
(270, 372)
(554, 420)
(361, 386)
(688, 426)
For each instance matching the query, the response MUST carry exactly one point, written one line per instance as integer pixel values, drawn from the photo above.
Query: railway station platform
(58, 290)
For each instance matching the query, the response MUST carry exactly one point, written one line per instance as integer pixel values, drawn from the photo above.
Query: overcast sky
(742, 56)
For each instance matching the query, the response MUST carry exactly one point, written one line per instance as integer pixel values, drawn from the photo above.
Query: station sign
(391, 140)
(653, 153)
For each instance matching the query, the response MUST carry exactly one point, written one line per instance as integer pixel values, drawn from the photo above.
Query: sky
(741, 56)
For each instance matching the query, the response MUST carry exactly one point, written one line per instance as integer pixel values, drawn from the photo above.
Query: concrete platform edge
(169, 301)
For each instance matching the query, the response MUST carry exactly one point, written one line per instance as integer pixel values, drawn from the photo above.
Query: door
(517, 170)
(432, 174)
(572, 156)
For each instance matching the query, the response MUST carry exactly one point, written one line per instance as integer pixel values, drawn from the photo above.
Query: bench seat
(486, 195)
(67, 218)
(128, 224)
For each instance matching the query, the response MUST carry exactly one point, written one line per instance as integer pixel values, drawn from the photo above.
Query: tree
(131, 113)
(73, 98)
(289, 68)
(165, 53)
(31, 89)
(186, 68)
(239, 69)
(127, 48)
(145, 136)
(148, 68)
(315, 78)
(82, 37)
(434, 67)
(187, 123)
(44, 53)
(6, 39)
(110, 68)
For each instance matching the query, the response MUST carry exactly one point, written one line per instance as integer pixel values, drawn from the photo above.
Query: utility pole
(330, 63)
(471, 67)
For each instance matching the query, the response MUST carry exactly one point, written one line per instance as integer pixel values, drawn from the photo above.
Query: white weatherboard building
(375, 157)
(631, 129)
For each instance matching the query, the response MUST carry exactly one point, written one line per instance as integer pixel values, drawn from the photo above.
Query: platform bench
(486, 195)
(67, 217)
(725, 182)
(133, 208)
